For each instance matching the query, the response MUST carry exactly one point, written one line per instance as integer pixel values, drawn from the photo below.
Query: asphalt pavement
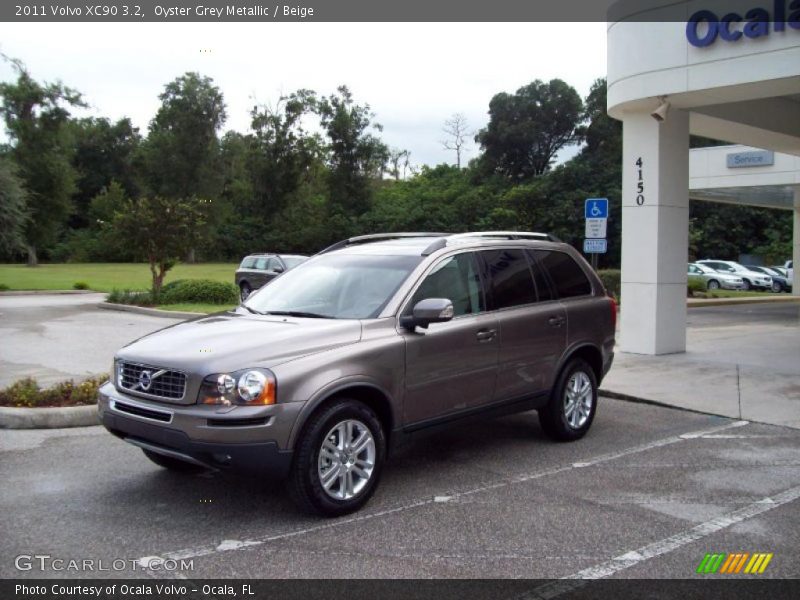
(647, 493)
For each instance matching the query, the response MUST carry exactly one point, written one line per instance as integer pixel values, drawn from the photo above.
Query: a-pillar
(655, 233)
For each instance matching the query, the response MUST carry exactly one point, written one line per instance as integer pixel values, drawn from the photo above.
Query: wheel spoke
(343, 483)
(330, 476)
(341, 431)
(360, 472)
(361, 443)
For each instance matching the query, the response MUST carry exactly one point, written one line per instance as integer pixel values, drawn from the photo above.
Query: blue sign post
(596, 212)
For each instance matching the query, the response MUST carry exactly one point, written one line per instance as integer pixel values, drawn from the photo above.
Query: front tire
(244, 291)
(172, 464)
(747, 285)
(713, 285)
(338, 459)
(777, 287)
(573, 403)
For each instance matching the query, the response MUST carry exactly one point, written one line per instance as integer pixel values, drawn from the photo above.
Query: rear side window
(261, 263)
(248, 263)
(510, 276)
(567, 276)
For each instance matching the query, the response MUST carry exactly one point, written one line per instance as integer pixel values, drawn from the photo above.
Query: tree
(36, 118)
(162, 229)
(104, 152)
(13, 209)
(180, 156)
(356, 156)
(528, 128)
(457, 131)
(398, 163)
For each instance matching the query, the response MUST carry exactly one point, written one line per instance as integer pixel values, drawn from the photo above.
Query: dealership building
(723, 70)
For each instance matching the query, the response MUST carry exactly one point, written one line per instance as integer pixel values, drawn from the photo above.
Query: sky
(413, 75)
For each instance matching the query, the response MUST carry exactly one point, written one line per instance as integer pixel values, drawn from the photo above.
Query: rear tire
(173, 464)
(713, 285)
(338, 459)
(573, 403)
(747, 285)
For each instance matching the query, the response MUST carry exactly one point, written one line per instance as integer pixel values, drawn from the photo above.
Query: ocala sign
(704, 27)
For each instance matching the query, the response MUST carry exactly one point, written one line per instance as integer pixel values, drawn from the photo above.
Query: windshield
(293, 261)
(335, 286)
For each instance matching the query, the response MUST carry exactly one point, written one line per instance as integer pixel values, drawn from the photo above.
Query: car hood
(229, 341)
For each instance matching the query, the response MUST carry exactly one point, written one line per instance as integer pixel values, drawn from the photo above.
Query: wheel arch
(588, 352)
(370, 394)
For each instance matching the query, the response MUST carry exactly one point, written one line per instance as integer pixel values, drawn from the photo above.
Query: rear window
(511, 280)
(567, 276)
(248, 262)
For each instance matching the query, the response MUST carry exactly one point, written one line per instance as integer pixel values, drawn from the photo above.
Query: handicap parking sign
(596, 208)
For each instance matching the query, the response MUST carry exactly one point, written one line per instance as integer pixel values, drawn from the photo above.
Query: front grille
(150, 381)
(156, 415)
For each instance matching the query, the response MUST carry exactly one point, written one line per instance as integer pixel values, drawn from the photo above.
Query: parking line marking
(660, 547)
(209, 549)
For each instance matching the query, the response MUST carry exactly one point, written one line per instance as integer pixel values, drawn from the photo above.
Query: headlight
(249, 387)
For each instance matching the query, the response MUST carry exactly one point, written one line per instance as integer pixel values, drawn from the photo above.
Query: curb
(46, 292)
(48, 418)
(700, 302)
(153, 312)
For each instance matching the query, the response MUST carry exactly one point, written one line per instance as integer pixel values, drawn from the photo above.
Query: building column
(796, 241)
(655, 233)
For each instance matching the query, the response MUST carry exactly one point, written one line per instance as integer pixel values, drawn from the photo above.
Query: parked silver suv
(333, 364)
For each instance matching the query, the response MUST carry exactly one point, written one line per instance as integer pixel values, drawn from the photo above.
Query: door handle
(555, 321)
(484, 335)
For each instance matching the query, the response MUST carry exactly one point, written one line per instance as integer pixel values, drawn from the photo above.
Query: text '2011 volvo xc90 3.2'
(331, 365)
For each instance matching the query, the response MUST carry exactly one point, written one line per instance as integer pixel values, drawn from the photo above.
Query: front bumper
(249, 439)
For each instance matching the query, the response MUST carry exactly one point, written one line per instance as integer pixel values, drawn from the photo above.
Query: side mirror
(430, 310)
(278, 269)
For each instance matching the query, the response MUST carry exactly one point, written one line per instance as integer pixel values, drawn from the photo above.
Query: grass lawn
(104, 277)
(738, 294)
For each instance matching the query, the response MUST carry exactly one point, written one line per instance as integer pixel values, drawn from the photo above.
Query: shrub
(4, 287)
(80, 285)
(133, 297)
(202, 291)
(695, 285)
(27, 393)
(611, 281)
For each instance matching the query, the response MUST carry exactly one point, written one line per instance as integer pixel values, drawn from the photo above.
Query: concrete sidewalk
(741, 362)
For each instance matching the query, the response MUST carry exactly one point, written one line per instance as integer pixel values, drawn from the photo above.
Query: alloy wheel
(346, 459)
(578, 399)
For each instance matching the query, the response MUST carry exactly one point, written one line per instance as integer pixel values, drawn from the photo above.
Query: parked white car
(715, 280)
(751, 279)
(789, 266)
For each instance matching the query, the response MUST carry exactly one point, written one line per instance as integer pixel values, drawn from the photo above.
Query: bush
(27, 393)
(4, 287)
(695, 285)
(135, 298)
(80, 285)
(202, 291)
(611, 281)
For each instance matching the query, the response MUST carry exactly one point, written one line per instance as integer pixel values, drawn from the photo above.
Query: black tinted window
(566, 275)
(510, 275)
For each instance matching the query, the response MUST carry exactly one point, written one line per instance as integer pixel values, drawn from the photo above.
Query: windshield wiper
(296, 313)
(252, 310)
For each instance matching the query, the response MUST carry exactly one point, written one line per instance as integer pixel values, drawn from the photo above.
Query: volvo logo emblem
(145, 380)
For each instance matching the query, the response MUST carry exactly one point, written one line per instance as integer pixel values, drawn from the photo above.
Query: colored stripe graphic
(723, 563)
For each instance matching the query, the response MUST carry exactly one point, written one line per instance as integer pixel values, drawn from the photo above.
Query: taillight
(613, 304)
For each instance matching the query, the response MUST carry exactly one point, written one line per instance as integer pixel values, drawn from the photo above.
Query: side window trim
(536, 266)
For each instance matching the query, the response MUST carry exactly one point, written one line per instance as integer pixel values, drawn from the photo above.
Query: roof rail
(509, 235)
(377, 237)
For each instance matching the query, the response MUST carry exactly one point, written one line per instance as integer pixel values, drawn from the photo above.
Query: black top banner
(177, 11)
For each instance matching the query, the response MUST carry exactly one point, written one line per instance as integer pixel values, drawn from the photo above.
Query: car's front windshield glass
(335, 286)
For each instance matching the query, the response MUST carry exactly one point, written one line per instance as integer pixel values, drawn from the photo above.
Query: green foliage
(161, 229)
(695, 285)
(27, 393)
(13, 209)
(37, 122)
(203, 291)
(4, 287)
(611, 279)
(133, 297)
(526, 129)
(80, 285)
